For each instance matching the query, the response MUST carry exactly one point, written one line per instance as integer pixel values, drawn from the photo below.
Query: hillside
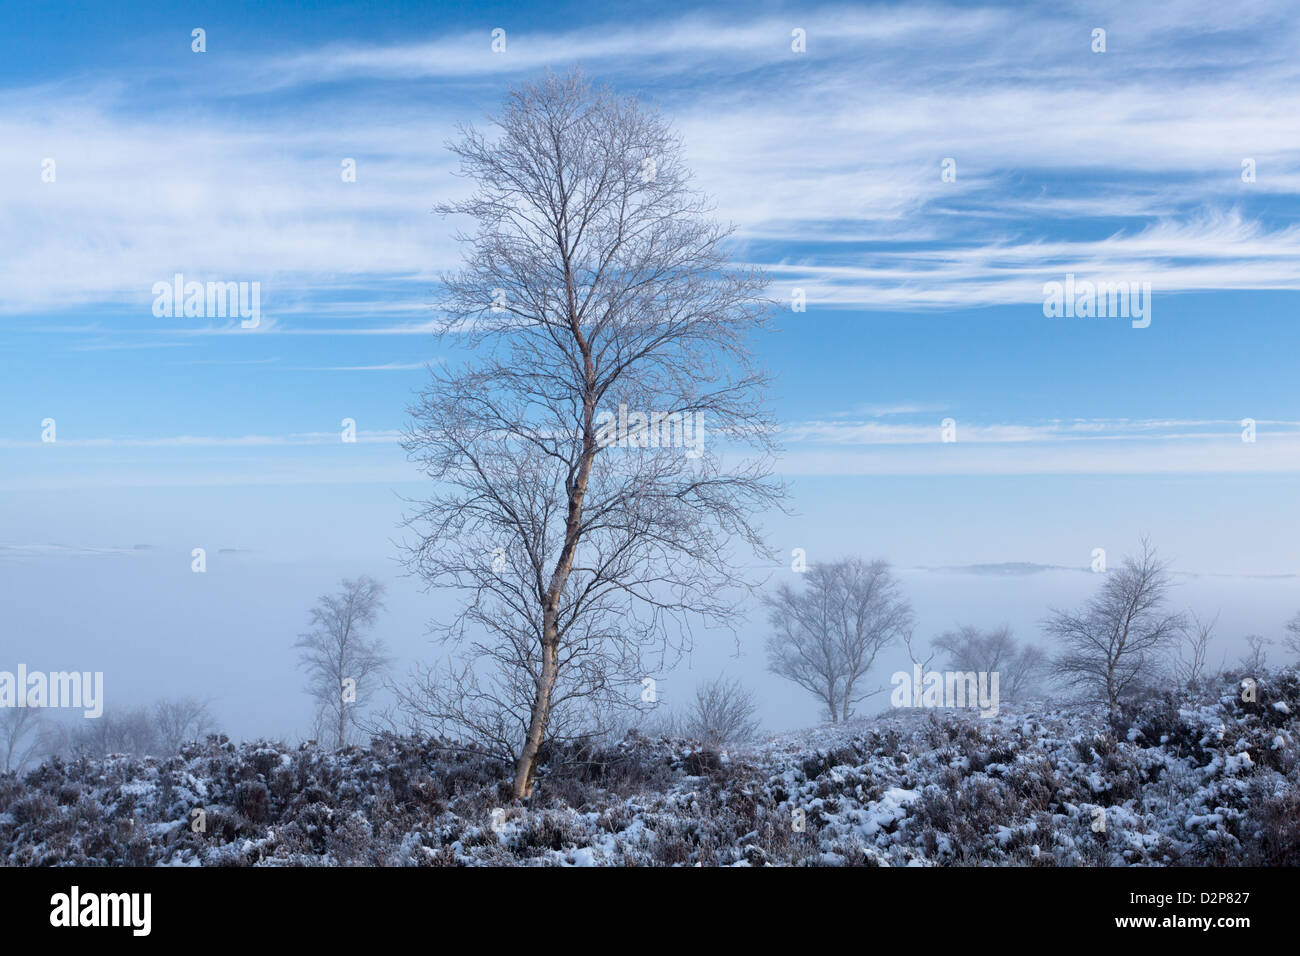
(1190, 780)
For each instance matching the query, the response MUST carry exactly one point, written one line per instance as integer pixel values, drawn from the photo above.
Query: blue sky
(924, 296)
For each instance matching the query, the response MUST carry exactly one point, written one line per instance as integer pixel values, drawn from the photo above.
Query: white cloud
(387, 367)
(1097, 446)
(839, 146)
(380, 436)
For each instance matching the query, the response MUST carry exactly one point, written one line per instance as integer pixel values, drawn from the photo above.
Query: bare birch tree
(577, 506)
(826, 636)
(1114, 642)
(338, 658)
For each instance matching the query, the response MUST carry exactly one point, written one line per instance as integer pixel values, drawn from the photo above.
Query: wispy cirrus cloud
(1076, 447)
(378, 437)
(837, 431)
(828, 159)
(386, 367)
(836, 446)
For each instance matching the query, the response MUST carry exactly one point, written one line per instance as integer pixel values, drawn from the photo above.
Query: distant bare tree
(827, 635)
(1292, 640)
(1025, 671)
(1255, 658)
(336, 655)
(129, 731)
(22, 737)
(1190, 662)
(579, 508)
(179, 721)
(722, 714)
(1018, 666)
(160, 729)
(1114, 642)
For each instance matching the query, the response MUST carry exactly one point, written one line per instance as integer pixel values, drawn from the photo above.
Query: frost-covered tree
(826, 635)
(1117, 639)
(599, 462)
(179, 720)
(1019, 666)
(125, 731)
(340, 661)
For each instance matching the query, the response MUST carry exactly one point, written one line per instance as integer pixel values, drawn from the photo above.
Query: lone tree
(336, 655)
(578, 505)
(826, 636)
(1115, 641)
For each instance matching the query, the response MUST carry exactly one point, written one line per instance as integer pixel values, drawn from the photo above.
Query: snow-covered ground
(1192, 780)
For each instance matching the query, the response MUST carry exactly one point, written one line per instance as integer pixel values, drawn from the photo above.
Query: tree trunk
(526, 768)
(342, 664)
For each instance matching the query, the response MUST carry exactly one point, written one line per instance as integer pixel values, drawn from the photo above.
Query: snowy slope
(1210, 780)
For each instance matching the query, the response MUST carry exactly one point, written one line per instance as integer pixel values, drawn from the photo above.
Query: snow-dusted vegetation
(1193, 779)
